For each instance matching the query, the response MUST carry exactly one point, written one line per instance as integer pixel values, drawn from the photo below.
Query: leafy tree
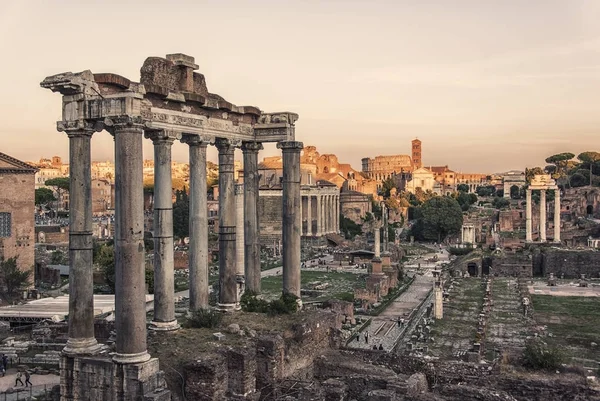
(590, 158)
(61, 186)
(561, 161)
(181, 214)
(43, 196)
(386, 187)
(462, 188)
(349, 228)
(465, 200)
(485, 190)
(58, 258)
(442, 216)
(105, 258)
(13, 279)
(500, 193)
(579, 179)
(500, 203)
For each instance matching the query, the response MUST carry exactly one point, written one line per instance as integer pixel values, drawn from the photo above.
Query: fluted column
(292, 222)
(337, 213)
(328, 213)
(319, 213)
(528, 234)
(228, 299)
(198, 221)
(81, 287)
(164, 288)
(543, 215)
(130, 294)
(557, 215)
(251, 231)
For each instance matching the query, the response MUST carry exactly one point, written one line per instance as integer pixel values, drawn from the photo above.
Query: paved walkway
(384, 329)
(38, 381)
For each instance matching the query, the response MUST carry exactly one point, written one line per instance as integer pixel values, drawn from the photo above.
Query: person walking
(18, 379)
(27, 377)
(5, 361)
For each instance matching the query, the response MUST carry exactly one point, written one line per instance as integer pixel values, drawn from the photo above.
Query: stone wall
(270, 212)
(18, 199)
(100, 379)
(571, 263)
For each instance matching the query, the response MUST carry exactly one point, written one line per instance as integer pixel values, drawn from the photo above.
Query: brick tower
(416, 154)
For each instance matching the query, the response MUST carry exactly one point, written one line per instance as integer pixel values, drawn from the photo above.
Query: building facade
(17, 208)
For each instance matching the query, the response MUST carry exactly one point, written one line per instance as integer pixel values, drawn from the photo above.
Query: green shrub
(207, 318)
(285, 305)
(540, 356)
(250, 303)
(460, 251)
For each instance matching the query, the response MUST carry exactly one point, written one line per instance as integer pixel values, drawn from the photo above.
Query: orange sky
(486, 85)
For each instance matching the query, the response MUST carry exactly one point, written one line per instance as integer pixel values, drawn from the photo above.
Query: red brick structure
(17, 208)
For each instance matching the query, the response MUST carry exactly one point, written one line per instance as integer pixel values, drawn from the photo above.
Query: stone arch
(472, 269)
(589, 209)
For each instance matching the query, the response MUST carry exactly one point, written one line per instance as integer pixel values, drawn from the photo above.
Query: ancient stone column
(319, 214)
(239, 230)
(337, 214)
(198, 220)
(528, 236)
(164, 290)
(251, 231)
(130, 294)
(328, 214)
(557, 215)
(377, 243)
(228, 299)
(309, 216)
(81, 287)
(292, 222)
(543, 215)
(385, 226)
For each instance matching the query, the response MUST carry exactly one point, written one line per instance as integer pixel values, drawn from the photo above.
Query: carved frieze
(278, 118)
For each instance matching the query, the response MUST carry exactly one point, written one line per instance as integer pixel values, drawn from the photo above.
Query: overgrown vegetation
(13, 279)
(460, 251)
(285, 305)
(204, 318)
(539, 355)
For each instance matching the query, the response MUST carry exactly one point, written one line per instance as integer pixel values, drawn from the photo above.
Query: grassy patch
(341, 284)
(572, 321)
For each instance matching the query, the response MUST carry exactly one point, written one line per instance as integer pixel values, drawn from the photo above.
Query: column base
(82, 346)
(164, 326)
(126, 359)
(229, 307)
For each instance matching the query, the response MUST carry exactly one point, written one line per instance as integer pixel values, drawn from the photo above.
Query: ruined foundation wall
(571, 263)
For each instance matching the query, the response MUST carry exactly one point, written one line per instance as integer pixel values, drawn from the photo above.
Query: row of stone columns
(130, 300)
(327, 214)
(528, 216)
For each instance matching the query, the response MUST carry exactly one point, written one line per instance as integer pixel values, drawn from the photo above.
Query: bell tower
(416, 154)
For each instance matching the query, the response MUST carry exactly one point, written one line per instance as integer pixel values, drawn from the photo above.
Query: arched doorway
(589, 210)
(472, 269)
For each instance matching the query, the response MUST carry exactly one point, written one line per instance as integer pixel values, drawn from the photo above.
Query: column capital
(290, 146)
(227, 144)
(196, 140)
(162, 136)
(115, 124)
(252, 146)
(79, 127)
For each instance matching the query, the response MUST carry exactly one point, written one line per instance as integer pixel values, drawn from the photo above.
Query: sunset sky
(487, 86)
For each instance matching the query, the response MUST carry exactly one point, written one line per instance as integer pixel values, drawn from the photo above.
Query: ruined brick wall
(18, 199)
(571, 263)
(512, 265)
